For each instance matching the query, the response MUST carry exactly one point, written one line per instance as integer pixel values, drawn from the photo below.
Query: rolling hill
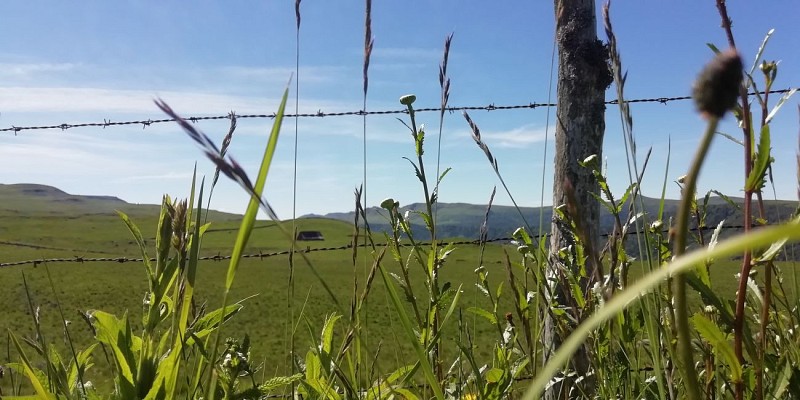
(464, 220)
(41, 222)
(45, 216)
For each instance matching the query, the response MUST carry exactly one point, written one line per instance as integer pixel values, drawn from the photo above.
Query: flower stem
(681, 230)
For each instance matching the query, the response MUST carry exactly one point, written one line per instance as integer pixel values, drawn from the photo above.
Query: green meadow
(44, 223)
(51, 224)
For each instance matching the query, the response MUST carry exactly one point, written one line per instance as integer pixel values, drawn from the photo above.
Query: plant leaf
(483, 313)
(137, 235)
(116, 333)
(38, 386)
(783, 380)
(719, 342)
(756, 179)
(780, 104)
(278, 381)
(760, 51)
(731, 138)
(212, 320)
(327, 332)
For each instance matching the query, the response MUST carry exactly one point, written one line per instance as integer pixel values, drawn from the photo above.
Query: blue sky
(73, 62)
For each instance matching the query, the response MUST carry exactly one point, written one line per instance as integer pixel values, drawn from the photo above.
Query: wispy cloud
(408, 53)
(84, 164)
(34, 161)
(520, 137)
(69, 87)
(378, 129)
(78, 148)
(87, 74)
(32, 70)
(279, 75)
(105, 101)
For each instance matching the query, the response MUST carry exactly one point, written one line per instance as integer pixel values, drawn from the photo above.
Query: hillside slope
(44, 222)
(464, 220)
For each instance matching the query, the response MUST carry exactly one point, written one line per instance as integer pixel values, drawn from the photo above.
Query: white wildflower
(530, 296)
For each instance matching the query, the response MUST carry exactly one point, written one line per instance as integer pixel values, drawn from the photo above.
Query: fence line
(262, 255)
(320, 114)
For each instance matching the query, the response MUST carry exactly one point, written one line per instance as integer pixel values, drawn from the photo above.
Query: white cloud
(51, 148)
(87, 74)
(72, 105)
(106, 101)
(280, 75)
(69, 87)
(519, 137)
(378, 129)
(31, 70)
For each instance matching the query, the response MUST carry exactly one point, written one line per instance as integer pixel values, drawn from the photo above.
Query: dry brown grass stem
(368, 42)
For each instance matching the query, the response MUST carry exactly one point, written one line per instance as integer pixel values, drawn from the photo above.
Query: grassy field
(36, 229)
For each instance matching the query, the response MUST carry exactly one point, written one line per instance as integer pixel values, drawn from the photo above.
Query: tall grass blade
(137, 235)
(405, 321)
(476, 135)
(188, 279)
(192, 193)
(248, 220)
(38, 386)
(40, 339)
(78, 367)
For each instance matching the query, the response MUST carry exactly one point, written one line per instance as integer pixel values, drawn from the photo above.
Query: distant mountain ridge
(33, 199)
(54, 193)
(21, 197)
(453, 219)
(464, 220)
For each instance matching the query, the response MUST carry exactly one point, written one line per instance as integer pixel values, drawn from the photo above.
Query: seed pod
(408, 99)
(717, 88)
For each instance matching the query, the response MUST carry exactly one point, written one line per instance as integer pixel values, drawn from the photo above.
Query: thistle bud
(389, 204)
(770, 70)
(717, 88)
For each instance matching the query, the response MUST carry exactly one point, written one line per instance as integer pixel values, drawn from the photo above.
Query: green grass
(119, 287)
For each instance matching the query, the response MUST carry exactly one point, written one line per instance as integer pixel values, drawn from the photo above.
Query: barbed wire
(320, 114)
(263, 255)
